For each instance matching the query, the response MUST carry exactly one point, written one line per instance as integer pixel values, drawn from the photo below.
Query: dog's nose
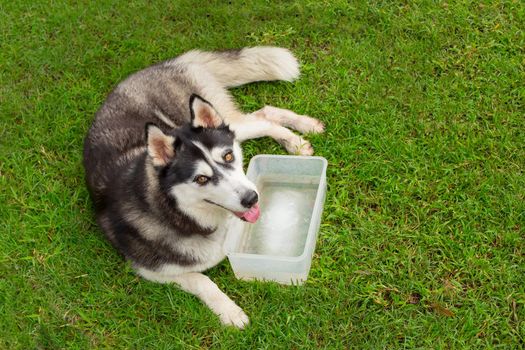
(249, 199)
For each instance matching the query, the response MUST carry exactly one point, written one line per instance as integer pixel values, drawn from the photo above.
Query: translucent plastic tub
(280, 245)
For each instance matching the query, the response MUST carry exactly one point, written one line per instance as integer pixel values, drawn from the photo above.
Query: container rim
(263, 155)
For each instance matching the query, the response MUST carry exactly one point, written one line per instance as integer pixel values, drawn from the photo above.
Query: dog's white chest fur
(207, 250)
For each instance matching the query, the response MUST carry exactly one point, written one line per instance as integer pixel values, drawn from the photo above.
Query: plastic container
(280, 245)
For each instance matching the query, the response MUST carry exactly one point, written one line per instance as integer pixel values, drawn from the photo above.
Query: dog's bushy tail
(238, 67)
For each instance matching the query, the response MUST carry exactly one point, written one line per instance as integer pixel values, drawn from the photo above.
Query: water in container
(286, 210)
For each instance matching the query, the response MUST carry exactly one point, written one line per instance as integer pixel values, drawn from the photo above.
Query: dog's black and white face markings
(200, 165)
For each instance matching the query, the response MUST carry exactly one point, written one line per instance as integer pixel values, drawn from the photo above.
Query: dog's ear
(160, 145)
(203, 114)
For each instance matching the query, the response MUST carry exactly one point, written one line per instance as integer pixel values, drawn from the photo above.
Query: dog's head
(200, 165)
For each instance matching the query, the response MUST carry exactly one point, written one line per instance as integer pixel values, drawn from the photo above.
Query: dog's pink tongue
(252, 215)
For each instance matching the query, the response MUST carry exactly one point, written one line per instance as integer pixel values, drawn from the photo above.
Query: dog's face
(200, 165)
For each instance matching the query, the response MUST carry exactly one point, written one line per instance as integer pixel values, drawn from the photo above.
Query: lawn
(422, 240)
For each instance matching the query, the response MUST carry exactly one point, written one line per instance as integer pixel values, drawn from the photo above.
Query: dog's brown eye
(228, 157)
(202, 180)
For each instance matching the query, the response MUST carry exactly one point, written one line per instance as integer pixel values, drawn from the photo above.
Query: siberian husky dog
(164, 166)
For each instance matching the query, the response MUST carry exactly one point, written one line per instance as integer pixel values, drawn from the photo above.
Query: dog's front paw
(232, 315)
(299, 146)
(306, 149)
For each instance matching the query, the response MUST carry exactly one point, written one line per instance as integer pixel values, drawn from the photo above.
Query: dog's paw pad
(318, 127)
(310, 125)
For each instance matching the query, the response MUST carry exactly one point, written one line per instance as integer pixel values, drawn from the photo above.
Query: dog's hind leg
(290, 119)
(203, 287)
(252, 126)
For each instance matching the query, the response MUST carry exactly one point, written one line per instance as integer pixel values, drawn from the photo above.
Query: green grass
(422, 240)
